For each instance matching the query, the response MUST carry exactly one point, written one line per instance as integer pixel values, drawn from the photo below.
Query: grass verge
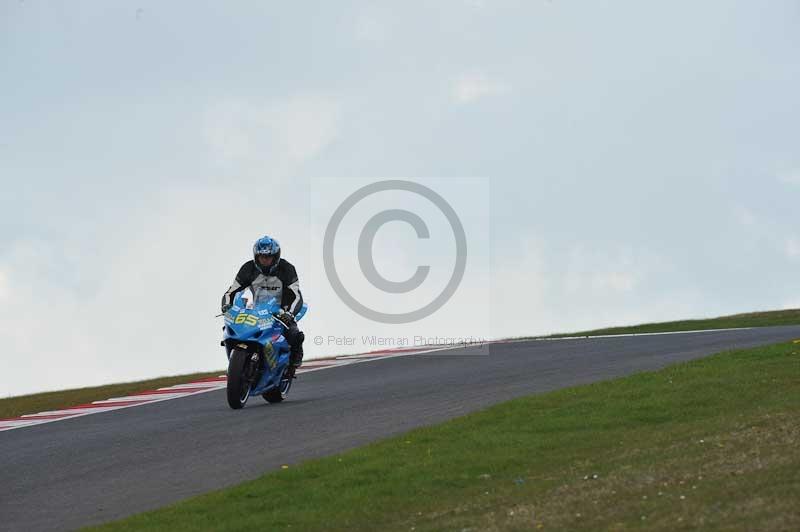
(40, 402)
(709, 444)
(751, 319)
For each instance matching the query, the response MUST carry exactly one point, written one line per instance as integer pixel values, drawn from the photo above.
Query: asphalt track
(97, 468)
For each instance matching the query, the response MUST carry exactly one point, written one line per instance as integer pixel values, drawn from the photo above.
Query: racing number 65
(247, 319)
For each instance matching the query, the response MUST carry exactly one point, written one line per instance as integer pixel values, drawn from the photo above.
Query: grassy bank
(751, 319)
(711, 443)
(40, 402)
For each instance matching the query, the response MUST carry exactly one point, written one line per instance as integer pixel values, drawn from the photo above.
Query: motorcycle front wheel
(238, 390)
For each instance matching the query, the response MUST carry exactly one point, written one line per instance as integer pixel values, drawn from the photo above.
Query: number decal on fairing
(247, 319)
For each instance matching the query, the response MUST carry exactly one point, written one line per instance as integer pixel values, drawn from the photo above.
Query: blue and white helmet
(269, 247)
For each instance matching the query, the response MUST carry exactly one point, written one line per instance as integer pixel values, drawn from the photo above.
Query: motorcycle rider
(269, 273)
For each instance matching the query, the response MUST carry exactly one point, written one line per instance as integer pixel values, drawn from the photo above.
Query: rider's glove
(226, 307)
(285, 316)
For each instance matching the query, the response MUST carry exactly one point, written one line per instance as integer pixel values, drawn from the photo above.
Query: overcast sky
(613, 162)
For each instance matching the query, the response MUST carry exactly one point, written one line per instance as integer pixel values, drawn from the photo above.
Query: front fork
(253, 369)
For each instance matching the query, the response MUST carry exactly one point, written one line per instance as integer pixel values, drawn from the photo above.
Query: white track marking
(628, 334)
(192, 385)
(144, 397)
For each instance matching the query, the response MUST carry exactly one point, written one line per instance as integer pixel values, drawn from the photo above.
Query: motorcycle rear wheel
(281, 391)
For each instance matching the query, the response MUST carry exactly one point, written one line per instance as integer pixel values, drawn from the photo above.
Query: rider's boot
(296, 356)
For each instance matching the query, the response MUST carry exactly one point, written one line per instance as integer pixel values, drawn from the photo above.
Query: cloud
(3, 286)
(792, 178)
(231, 131)
(473, 87)
(290, 132)
(599, 168)
(602, 271)
(539, 287)
(309, 124)
(745, 216)
(149, 303)
(46, 327)
(370, 27)
(614, 281)
(139, 299)
(792, 248)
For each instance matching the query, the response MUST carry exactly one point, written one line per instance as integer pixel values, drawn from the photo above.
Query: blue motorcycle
(258, 354)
